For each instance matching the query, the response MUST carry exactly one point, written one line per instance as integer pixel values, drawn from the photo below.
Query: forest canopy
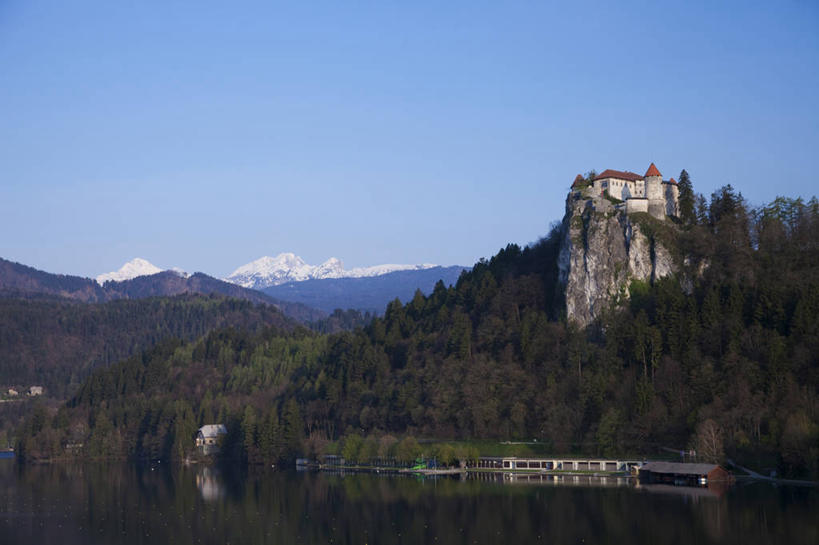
(725, 350)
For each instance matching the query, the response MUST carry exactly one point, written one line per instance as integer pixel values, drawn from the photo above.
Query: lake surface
(119, 503)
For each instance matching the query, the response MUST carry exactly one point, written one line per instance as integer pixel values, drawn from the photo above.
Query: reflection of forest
(125, 504)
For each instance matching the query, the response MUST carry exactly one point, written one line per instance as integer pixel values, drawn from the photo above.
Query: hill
(722, 360)
(57, 343)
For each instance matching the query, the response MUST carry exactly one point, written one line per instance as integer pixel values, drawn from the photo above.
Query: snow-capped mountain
(288, 267)
(132, 269)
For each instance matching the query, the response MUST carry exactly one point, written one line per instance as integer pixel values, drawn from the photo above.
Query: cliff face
(603, 250)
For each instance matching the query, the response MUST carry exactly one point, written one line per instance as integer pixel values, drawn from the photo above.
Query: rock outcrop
(604, 250)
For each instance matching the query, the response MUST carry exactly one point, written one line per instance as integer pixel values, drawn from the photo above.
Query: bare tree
(708, 441)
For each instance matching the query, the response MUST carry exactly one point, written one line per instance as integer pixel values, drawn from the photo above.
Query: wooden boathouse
(680, 473)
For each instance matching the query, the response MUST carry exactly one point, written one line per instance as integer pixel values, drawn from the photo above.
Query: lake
(128, 504)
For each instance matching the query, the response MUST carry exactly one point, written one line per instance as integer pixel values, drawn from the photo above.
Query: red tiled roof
(672, 181)
(619, 174)
(578, 180)
(653, 171)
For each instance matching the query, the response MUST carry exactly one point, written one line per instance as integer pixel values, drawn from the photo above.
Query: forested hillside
(721, 358)
(57, 343)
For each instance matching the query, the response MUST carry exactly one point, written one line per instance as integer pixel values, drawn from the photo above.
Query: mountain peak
(288, 267)
(132, 269)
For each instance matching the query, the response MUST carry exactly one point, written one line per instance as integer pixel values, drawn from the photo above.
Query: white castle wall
(656, 208)
(620, 189)
(672, 199)
(650, 195)
(636, 205)
(654, 188)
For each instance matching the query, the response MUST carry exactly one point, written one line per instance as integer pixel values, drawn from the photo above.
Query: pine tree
(687, 199)
(249, 433)
(293, 428)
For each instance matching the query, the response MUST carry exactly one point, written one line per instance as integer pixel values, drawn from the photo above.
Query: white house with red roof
(647, 193)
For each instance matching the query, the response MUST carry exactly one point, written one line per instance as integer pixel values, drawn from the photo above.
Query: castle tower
(654, 192)
(672, 198)
(654, 183)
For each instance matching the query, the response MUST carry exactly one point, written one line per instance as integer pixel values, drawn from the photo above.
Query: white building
(648, 193)
(207, 438)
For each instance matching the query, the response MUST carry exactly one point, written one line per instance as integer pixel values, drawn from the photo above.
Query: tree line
(720, 358)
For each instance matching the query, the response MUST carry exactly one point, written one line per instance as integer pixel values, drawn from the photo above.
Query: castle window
(605, 184)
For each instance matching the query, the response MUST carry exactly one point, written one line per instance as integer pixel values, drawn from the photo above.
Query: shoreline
(460, 471)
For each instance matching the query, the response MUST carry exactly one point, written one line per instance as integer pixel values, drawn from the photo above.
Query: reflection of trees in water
(124, 504)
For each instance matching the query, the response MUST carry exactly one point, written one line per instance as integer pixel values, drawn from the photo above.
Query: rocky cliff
(604, 249)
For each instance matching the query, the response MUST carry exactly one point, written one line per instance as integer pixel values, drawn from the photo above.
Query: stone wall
(654, 188)
(621, 189)
(657, 207)
(672, 199)
(636, 205)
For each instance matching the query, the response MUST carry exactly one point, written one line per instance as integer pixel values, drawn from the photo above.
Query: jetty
(514, 463)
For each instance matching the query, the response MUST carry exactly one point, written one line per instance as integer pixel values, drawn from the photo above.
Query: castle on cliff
(633, 193)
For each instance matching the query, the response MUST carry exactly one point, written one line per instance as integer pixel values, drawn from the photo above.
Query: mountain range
(269, 271)
(287, 277)
(367, 294)
(21, 281)
(303, 292)
(288, 267)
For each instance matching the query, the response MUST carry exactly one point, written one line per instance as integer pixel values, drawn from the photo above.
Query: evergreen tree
(687, 199)
(249, 433)
(734, 340)
(293, 429)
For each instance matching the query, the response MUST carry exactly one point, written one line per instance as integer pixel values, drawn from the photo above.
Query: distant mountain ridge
(17, 280)
(288, 267)
(367, 294)
(303, 292)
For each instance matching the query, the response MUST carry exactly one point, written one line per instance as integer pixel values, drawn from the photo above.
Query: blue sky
(203, 135)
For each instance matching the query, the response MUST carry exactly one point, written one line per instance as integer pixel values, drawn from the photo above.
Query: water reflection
(207, 481)
(134, 505)
(712, 491)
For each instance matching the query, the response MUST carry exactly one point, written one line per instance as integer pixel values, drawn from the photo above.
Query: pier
(508, 463)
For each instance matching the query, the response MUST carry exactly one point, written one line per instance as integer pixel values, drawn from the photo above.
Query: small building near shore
(13, 392)
(555, 464)
(35, 391)
(332, 460)
(208, 438)
(682, 473)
